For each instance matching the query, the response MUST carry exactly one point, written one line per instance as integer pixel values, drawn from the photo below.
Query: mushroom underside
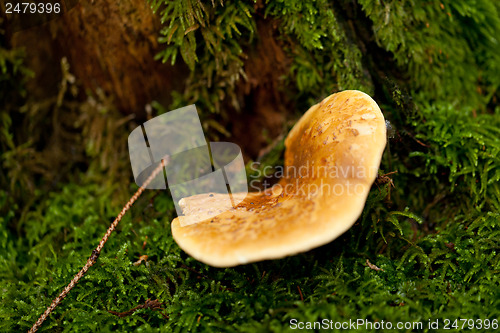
(331, 160)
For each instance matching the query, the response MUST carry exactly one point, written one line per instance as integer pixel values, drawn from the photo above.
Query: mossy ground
(435, 234)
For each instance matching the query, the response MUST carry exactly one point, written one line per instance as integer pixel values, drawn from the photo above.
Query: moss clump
(209, 38)
(435, 235)
(447, 49)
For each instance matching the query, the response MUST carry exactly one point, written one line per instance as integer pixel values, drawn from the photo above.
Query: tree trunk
(109, 46)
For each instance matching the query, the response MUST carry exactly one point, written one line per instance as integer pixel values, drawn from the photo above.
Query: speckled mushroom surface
(331, 160)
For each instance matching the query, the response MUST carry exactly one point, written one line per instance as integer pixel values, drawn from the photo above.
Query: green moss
(213, 40)
(334, 279)
(210, 38)
(447, 49)
(323, 58)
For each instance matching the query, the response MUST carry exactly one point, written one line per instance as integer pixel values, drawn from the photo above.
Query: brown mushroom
(331, 160)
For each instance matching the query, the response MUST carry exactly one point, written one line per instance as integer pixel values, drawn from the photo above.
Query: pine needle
(97, 251)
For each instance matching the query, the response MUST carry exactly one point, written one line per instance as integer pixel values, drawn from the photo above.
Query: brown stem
(97, 251)
(149, 304)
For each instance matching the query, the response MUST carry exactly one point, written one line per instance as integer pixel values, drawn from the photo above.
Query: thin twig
(149, 304)
(97, 251)
(372, 266)
(300, 293)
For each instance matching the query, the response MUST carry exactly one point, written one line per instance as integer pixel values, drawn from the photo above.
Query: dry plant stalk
(149, 304)
(97, 251)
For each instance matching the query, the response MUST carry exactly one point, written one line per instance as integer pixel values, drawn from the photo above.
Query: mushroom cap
(331, 160)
